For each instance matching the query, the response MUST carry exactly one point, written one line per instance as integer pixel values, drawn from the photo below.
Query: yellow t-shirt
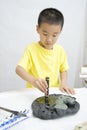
(41, 62)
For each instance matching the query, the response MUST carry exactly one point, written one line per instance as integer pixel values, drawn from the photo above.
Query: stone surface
(81, 126)
(55, 106)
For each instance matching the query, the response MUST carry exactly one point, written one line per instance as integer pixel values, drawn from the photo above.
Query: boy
(45, 58)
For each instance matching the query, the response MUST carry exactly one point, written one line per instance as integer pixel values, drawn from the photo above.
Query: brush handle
(13, 112)
(47, 93)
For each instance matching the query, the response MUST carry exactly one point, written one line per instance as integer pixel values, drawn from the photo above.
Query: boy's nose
(49, 39)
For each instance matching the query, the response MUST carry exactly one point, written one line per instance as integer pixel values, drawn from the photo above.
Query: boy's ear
(37, 28)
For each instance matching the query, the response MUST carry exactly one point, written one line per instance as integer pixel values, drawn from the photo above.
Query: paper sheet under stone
(58, 105)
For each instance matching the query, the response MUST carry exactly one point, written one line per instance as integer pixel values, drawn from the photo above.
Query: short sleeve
(25, 61)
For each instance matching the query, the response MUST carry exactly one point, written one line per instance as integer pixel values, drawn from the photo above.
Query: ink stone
(58, 105)
(54, 105)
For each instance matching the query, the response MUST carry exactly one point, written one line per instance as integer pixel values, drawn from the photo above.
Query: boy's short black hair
(51, 16)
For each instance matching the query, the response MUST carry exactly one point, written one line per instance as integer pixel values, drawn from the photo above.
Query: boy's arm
(38, 83)
(64, 87)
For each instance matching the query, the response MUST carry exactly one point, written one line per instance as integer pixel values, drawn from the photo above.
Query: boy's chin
(49, 47)
(46, 46)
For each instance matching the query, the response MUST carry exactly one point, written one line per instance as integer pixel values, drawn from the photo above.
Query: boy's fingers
(41, 85)
(62, 90)
(72, 91)
(68, 90)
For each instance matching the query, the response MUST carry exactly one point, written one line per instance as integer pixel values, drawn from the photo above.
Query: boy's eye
(45, 34)
(54, 35)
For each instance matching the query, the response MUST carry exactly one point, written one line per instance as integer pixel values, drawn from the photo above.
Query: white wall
(18, 19)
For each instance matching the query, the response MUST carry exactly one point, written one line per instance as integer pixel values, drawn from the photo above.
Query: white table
(22, 99)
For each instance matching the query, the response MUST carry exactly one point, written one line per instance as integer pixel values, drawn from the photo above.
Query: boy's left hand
(67, 89)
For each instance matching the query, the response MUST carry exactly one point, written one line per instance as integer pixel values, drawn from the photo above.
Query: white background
(18, 20)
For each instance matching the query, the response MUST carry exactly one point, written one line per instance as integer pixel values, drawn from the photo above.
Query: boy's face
(48, 34)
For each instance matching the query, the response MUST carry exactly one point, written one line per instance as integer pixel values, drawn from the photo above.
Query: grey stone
(55, 106)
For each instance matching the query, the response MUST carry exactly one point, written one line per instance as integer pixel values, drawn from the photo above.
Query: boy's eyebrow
(47, 32)
(44, 31)
(56, 33)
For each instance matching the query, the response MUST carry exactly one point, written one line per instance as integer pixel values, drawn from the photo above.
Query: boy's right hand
(40, 83)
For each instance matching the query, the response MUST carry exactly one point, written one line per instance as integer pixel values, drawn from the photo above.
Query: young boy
(45, 58)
